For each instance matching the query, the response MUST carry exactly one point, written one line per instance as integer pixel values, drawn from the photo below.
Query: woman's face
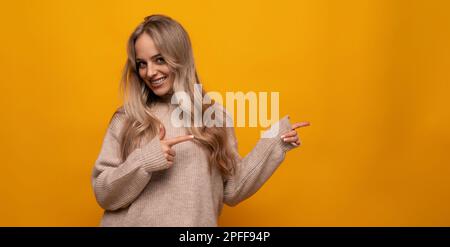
(152, 67)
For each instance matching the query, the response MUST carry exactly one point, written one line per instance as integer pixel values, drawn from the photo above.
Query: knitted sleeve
(117, 182)
(255, 168)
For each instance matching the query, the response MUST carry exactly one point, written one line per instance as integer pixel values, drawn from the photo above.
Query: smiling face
(152, 67)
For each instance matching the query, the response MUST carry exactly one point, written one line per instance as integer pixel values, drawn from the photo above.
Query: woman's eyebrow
(157, 55)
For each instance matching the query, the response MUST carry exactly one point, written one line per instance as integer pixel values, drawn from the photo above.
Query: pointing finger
(299, 125)
(179, 139)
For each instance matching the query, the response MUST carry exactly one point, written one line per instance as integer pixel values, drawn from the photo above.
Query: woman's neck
(165, 98)
(164, 101)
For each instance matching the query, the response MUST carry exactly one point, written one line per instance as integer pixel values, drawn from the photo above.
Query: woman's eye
(141, 65)
(160, 60)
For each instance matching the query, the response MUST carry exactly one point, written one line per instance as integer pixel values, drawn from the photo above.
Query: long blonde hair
(174, 45)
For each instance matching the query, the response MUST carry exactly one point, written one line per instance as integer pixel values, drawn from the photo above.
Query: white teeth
(159, 81)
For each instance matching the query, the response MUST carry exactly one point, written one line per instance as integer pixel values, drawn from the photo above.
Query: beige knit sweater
(143, 191)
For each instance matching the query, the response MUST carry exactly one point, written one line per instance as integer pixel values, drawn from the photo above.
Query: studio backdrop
(372, 77)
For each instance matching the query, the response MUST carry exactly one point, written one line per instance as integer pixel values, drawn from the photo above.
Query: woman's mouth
(158, 82)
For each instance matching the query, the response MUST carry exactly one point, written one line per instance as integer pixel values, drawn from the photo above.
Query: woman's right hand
(166, 144)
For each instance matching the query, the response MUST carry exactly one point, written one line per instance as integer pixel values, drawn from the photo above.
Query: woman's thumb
(162, 131)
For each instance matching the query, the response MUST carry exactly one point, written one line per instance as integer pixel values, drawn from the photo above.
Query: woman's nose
(151, 71)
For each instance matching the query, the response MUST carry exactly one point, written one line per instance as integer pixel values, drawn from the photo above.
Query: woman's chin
(161, 92)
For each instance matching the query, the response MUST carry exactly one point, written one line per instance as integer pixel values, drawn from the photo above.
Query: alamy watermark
(258, 114)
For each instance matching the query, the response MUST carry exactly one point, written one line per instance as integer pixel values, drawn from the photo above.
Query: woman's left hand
(292, 136)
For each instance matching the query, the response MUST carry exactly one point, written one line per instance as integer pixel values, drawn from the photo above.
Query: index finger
(299, 125)
(179, 139)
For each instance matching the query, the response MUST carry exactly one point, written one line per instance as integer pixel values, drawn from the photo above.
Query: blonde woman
(151, 172)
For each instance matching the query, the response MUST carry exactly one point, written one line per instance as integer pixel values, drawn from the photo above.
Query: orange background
(371, 76)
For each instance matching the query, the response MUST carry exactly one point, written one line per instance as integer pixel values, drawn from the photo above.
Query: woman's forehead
(145, 47)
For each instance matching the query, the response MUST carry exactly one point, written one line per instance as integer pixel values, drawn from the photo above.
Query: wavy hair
(174, 45)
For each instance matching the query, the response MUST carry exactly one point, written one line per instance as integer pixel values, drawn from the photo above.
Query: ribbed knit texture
(144, 191)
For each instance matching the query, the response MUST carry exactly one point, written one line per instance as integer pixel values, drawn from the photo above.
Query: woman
(152, 173)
